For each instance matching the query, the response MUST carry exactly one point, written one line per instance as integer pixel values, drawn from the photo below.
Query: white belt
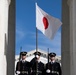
(24, 72)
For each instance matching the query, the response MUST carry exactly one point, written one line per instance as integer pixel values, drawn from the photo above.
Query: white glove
(47, 71)
(18, 72)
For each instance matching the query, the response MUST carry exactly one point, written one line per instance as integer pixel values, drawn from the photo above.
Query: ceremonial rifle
(48, 58)
(19, 59)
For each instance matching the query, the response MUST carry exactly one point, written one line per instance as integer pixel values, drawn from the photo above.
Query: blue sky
(26, 25)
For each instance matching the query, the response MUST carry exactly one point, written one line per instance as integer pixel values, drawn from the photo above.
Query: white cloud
(28, 47)
(54, 45)
(43, 42)
(20, 33)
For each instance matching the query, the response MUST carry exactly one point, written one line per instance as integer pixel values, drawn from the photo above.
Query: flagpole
(36, 44)
(36, 39)
(36, 49)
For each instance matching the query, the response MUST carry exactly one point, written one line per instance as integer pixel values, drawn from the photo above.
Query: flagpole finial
(36, 3)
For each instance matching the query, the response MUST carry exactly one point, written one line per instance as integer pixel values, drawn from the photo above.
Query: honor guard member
(37, 67)
(22, 67)
(53, 67)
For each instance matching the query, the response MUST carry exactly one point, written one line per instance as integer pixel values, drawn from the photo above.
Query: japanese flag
(47, 24)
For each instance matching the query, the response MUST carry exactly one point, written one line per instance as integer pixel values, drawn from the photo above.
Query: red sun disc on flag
(45, 22)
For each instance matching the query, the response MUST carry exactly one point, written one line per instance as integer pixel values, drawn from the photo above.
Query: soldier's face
(52, 58)
(23, 57)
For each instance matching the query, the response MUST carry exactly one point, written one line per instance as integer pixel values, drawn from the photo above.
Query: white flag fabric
(46, 23)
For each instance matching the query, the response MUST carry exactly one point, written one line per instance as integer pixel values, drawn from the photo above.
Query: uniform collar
(23, 60)
(53, 61)
(38, 61)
